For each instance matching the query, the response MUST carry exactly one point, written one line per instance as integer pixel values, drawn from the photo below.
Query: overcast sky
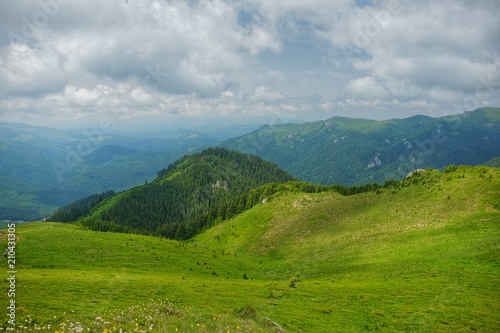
(72, 62)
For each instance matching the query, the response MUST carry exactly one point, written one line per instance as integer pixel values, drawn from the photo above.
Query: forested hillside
(213, 183)
(358, 151)
(79, 208)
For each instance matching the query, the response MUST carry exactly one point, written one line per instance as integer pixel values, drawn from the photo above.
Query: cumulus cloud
(366, 87)
(29, 71)
(61, 60)
(438, 51)
(265, 95)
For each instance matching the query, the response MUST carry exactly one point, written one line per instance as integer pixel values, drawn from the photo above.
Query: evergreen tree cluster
(191, 187)
(107, 226)
(79, 208)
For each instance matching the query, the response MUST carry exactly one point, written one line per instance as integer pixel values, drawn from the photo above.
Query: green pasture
(423, 256)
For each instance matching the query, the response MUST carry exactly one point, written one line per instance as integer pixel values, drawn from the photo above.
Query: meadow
(422, 256)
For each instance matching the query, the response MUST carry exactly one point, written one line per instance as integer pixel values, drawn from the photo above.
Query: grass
(420, 258)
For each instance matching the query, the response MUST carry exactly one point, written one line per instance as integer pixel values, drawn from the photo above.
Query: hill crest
(192, 186)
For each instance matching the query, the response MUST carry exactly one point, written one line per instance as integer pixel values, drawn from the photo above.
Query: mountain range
(350, 151)
(44, 168)
(219, 240)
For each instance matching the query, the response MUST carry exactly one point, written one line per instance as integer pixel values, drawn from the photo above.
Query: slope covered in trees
(79, 208)
(213, 183)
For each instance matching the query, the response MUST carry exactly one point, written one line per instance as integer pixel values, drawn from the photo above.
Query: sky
(69, 63)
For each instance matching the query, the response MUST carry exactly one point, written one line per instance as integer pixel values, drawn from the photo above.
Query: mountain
(358, 151)
(44, 168)
(185, 198)
(421, 255)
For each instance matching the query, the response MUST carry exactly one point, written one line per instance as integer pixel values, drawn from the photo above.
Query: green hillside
(203, 185)
(358, 151)
(420, 256)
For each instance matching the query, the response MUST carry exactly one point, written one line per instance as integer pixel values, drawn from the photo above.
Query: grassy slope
(422, 258)
(409, 259)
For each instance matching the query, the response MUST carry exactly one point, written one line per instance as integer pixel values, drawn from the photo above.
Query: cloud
(366, 88)
(437, 52)
(61, 60)
(25, 70)
(263, 94)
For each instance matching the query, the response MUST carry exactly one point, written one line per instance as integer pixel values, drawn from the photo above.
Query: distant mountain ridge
(357, 151)
(44, 168)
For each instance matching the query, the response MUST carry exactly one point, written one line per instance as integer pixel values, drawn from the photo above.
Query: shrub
(247, 312)
(450, 168)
